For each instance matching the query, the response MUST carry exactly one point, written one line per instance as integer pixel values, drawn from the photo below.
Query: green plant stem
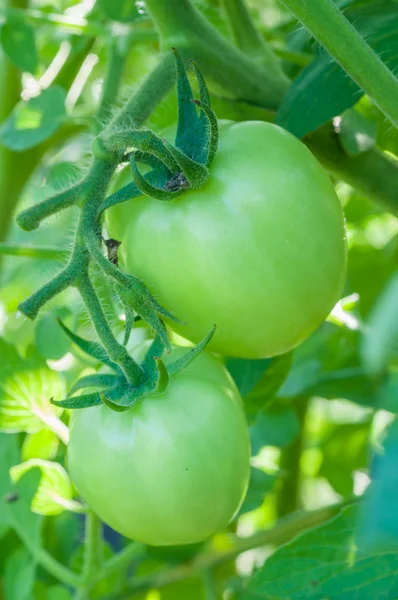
(284, 530)
(209, 584)
(288, 499)
(329, 26)
(182, 26)
(113, 78)
(119, 561)
(31, 251)
(246, 35)
(372, 173)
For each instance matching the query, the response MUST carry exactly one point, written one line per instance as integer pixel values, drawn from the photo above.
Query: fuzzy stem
(116, 352)
(113, 78)
(32, 305)
(329, 26)
(120, 561)
(31, 218)
(182, 26)
(246, 35)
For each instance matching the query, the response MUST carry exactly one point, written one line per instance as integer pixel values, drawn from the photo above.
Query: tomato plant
(172, 470)
(259, 250)
(198, 374)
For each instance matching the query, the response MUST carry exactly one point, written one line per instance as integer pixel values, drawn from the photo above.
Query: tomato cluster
(260, 251)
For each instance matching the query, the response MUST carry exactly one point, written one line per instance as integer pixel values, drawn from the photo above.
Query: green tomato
(173, 469)
(259, 250)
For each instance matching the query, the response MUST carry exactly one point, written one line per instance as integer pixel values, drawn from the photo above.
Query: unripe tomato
(259, 250)
(173, 469)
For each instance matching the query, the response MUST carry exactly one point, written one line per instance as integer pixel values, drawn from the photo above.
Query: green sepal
(163, 376)
(195, 173)
(151, 161)
(203, 91)
(212, 135)
(93, 349)
(128, 192)
(84, 401)
(146, 141)
(112, 405)
(125, 395)
(189, 125)
(183, 362)
(155, 350)
(100, 380)
(147, 188)
(138, 297)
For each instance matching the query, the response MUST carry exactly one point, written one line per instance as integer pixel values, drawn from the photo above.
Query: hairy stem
(246, 35)
(31, 218)
(329, 26)
(182, 26)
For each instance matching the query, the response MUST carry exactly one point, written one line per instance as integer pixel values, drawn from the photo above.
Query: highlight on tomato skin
(172, 470)
(260, 249)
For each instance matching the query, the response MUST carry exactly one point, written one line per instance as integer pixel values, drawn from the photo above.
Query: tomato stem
(330, 27)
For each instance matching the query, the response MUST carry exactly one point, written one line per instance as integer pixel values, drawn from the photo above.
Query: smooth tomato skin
(172, 470)
(259, 250)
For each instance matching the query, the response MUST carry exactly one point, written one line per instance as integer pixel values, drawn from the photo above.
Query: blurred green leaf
(34, 121)
(260, 485)
(277, 426)
(58, 592)
(9, 456)
(344, 450)
(26, 387)
(357, 133)
(323, 90)
(51, 341)
(378, 526)
(55, 492)
(380, 339)
(42, 444)
(247, 373)
(17, 39)
(325, 563)
(120, 10)
(19, 576)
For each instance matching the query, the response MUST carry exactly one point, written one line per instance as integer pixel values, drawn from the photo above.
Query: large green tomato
(259, 250)
(174, 469)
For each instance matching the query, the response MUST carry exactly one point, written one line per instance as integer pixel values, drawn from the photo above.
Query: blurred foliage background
(322, 420)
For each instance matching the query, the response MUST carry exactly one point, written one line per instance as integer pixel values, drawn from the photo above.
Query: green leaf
(267, 387)
(380, 339)
(17, 39)
(42, 444)
(124, 11)
(9, 456)
(83, 401)
(16, 506)
(93, 349)
(323, 90)
(34, 121)
(379, 519)
(51, 341)
(274, 427)
(357, 133)
(19, 576)
(58, 592)
(247, 373)
(55, 492)
(325, 563)
(260, 484)
(26, 387)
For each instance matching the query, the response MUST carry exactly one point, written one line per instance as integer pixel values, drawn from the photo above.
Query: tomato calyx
(113, 389)
(175, 168)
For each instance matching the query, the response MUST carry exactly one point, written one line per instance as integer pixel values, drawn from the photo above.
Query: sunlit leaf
(32, 122)
(42, 444)
(55, 491)
(26, 387)
(17, 39)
